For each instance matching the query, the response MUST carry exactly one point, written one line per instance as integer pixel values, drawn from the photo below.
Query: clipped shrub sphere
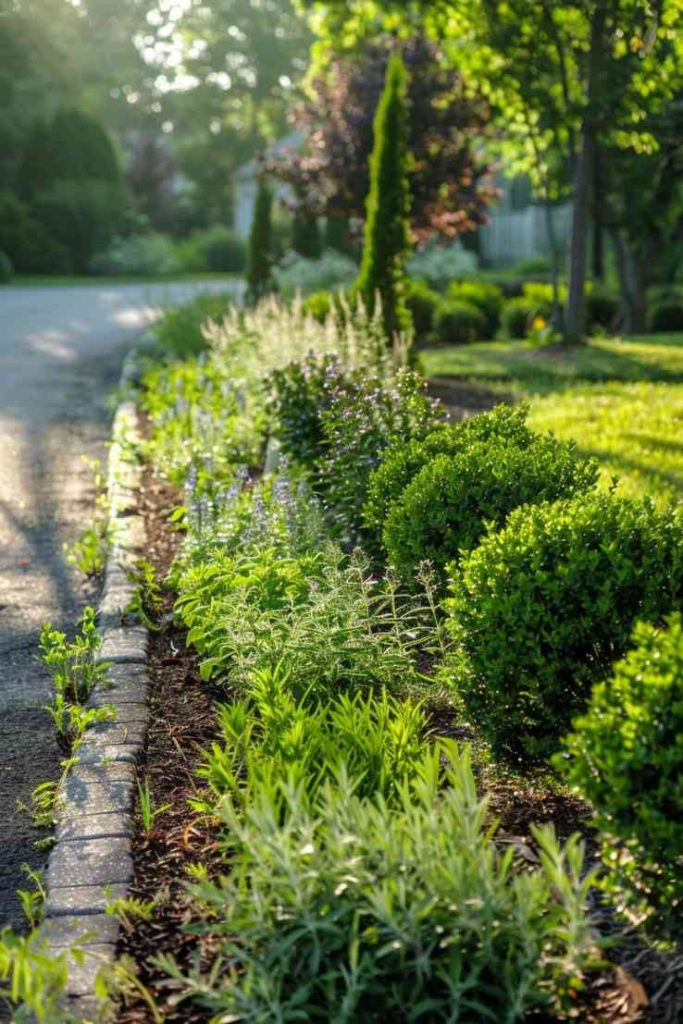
(445, 508)
(458, 323)
(626, 757)
(487, 297)
(401, 462)
(542, 608)
(667, 315)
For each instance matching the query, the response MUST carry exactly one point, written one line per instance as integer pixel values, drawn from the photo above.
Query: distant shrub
(488, 298)
(82, 216)
(667, 315)
(626, 757)
(458, 323)
(6, 268)
(438, 266)
(306, 235)
(516, 317)
(318, 305)
(445, 509)
(532, 267)
(401, 462)
(422, 302)
(179, 329)
(25, 241)
(145, 255)
(221, 249)
(543, 607)
(332, 271)
(602, 307)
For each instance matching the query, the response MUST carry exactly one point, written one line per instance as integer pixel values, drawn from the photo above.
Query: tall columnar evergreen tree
(259, 264)
(387, 229)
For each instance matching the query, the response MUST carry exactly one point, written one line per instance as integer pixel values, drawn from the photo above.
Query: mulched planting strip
(183, 722)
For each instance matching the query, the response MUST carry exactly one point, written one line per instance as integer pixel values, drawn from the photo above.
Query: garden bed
(300, 689)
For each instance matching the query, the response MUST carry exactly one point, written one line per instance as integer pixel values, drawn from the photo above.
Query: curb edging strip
(91, 862)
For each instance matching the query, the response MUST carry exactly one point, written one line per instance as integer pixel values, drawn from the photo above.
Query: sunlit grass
(622, 401)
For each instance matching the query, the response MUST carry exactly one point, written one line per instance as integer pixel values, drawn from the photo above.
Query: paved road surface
(60, 355)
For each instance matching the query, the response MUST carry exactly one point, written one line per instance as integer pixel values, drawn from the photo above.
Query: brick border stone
(91, 862)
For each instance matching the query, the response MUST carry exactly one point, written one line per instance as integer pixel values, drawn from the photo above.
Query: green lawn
(622, 401)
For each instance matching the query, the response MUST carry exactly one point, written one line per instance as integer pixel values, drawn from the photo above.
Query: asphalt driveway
(61, 350)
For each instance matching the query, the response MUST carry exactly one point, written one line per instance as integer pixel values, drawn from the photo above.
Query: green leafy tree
(387, 231)
(565, 79)
(259, 264)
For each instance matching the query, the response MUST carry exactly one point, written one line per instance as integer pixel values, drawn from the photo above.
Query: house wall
(514, 235)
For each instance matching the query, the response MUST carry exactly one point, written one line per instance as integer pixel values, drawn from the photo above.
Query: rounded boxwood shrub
(487, 297)
(542, 608)
(318, 305)
(516, 317)
(6, 269)
(667, 315)
(626, 757)
(458, 323)
(445, 508)
(602, 307)
(423, 303)
(403, 461)
(222, 249)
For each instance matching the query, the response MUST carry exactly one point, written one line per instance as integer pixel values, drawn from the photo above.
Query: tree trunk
(556, 314)
(632, 270)
(575, 317)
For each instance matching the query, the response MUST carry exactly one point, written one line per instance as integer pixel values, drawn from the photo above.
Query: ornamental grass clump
(364, 912)
(625, 755)
(542, 608)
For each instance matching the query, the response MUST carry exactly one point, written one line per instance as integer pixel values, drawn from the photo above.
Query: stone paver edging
(91, 862)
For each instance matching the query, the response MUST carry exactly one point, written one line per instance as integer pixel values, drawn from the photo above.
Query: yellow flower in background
(539, 323)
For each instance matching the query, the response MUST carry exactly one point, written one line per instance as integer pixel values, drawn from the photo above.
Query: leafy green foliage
(26, 242)
(6, 268)
(487, 297)
(667, 315)
(448, 505)
(458, 323)
(301, 393)
(364, 416)
(72, 147)
(260, 254)
(387, 232)
(328, 624)
(543, 607)
(81, 217)
(403, 460)
(306, 236)
(626, 757)
(269, 740)
(32, 977)
(179, 329)
(422, 303)
(357, 911)
(75, 673)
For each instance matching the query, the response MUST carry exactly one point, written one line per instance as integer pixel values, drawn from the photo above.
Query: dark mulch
(463, 398)
(183, 722)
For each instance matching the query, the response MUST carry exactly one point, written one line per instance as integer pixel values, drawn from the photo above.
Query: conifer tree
(387, 231)
(259, 264)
